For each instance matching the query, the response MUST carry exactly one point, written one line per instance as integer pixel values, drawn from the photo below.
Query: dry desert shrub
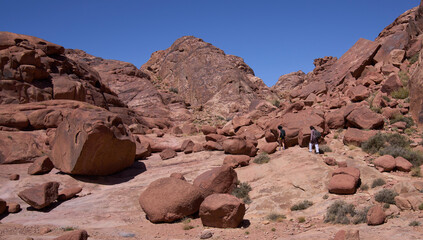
(302, 205)
(386, 196)
(262, 158)
(241, 191)
(378, 182)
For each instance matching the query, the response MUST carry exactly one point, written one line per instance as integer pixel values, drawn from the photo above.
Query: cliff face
(204, 76)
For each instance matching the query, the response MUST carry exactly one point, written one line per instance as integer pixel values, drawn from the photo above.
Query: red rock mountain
(205, 76)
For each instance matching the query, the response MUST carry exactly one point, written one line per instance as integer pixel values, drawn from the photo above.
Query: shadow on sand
(117, 178)
(46, 209)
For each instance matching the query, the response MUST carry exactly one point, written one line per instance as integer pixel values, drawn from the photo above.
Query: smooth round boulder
(222, 211)
(376, 215)
(218, 180)
(385, 163)
(170, 199)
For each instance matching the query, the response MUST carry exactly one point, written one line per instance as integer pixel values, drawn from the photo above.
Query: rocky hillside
(205, 77)
(108, 150)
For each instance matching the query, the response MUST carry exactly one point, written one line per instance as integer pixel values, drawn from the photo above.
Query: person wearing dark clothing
(281, 138)
(314, 140)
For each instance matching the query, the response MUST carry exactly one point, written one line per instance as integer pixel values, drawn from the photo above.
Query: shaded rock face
(182, 199)
(40, 196)
(92, 142)
(32, 70)
(222, 211)
(205, 76)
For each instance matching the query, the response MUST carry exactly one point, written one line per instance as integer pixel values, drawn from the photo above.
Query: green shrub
(414, 224)
(421, 206)
(262, 158)
(403, 76)
(325, 196)
(361, 215)
(273, 229)
(401, 118)
(302, 205)
(415, 158)
(400, 93)
(386, 196)
(374, 144)
(414, 58)
(174, 90)
(275, 217)
(364, 187)
(301, 219)
(386, 205)
(276, 103)
(378, 182)
(241, 191)
(386, 98)
(340, 212)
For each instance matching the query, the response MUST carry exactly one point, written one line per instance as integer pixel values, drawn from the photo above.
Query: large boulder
(345, 180)
(391, 84)
(236, 160)
(403, 164)
(236, 145)
(40, 196)
(365, 118)
(218, 180)
(74, 235)
(358, 93)
(269, 147)
(181, 199)
(92, 142)
(222, 211)
(356, 136)
(376, 215)
(385, 163)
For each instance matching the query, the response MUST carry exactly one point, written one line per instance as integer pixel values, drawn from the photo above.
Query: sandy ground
(108, 206)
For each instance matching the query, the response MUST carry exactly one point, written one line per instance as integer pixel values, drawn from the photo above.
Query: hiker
(281, 139)
(314, 140)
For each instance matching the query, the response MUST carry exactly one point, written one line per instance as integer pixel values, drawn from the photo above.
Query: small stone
(13, 207)
(14, 177)
(206, 234)
(44, 230)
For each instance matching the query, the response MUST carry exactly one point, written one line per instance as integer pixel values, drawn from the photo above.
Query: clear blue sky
(274, 37)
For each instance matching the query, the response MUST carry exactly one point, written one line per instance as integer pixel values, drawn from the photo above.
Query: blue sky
(273, 37)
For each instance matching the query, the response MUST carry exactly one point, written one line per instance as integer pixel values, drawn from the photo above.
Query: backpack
(317, 134)
(282, 135)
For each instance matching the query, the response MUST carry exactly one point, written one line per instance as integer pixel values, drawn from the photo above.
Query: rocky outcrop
(289, 81)
(92, 142)
(204, 75)
(182, 199)
(33, 70)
